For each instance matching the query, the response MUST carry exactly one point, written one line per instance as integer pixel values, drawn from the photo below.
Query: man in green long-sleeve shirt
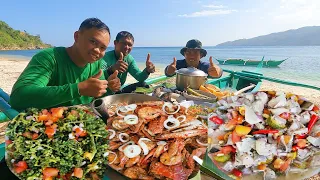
(120, 59)
(67, 76)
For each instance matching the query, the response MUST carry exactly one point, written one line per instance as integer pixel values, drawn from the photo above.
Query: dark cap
(194, 44)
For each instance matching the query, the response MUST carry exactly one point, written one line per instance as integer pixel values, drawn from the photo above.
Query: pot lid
(191, 71)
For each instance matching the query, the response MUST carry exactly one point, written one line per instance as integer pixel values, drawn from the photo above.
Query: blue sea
(302, 66)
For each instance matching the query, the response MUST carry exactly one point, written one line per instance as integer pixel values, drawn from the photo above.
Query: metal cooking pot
(190, 77)
(100, 106)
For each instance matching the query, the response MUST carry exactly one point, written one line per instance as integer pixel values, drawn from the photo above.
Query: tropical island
(11, 39)
(305, 36)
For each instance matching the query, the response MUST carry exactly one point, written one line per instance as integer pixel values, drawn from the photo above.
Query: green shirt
(109, 60)
(51, 79)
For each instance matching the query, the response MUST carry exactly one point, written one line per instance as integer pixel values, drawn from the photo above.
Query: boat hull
(241, 62)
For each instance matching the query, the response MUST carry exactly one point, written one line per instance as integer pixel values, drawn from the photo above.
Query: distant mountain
(11, 39)
(305, 36)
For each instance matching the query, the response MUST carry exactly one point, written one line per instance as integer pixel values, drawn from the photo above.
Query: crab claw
(185, 134)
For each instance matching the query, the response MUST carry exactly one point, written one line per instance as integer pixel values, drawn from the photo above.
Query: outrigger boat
(235, 80)
(250, 62)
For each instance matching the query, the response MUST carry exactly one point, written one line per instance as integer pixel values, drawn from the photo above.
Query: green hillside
(305, 36)
(11, 39)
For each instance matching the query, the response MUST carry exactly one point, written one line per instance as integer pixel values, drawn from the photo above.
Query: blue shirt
(203, 66)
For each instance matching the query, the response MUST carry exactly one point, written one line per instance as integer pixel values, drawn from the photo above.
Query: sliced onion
(131, 107)
(170, 106)
(250, 116)
(121, 109)
(161, 143)
(278, 111)
(183, 117)
(132, 151)
(201, 143)
(121, 147)
(122, 135)
(143, 145)
(131, 119)
(113, 133)
(110, 152)
(172, 120)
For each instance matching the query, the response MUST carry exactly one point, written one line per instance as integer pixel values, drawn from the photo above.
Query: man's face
(92, 44)
(124, 45)
(192, 57)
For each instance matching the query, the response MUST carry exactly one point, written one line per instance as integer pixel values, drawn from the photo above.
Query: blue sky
(162, 23)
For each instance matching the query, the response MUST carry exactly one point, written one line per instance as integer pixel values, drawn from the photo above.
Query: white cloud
(297, 11)
(205, 13)
(213, 6)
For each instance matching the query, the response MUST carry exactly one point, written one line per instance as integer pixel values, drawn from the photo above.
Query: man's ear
(115, 42)
(76, 36)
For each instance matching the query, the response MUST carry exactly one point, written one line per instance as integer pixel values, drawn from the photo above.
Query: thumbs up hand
(149, 65)
(214, 70)
(121, 65)
(171, 69)
(114, 82)
(93, 86)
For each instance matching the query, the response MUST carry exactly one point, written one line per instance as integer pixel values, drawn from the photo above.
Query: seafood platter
(170, 135)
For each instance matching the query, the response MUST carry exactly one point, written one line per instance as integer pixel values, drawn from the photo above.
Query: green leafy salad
(58, 143)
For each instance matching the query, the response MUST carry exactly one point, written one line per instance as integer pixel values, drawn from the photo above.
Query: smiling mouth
(94, 56)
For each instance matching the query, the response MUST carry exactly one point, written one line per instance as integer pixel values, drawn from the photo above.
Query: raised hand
(149, 65)
(114, 82)
(172, 67)
(213, 70)
(121, 66)
(93, 86)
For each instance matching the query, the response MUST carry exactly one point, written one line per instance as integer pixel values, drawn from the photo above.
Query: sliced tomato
(315, 108)
(237, 172)
(18, 170)
(57, 112)
(27, 135)
(234, 137)
(44, 111)
(35, 136)
(227, 149)
(8, 142)
(43, 117)
(80, 132)
(50, 131)
(285, 165)
(50, 172)
(78, 172)
(20, 166)
(48, 122)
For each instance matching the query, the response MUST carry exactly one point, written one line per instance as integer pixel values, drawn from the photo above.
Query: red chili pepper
(237, 172)
(312, 122)
(301, 136)
(315, 108)
(216, 120)
(295, 148)
(265, 131)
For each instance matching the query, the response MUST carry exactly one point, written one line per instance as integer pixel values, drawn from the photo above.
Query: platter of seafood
(154, 139)
(265, 135)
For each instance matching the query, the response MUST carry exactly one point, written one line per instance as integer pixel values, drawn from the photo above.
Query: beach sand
(11, 68)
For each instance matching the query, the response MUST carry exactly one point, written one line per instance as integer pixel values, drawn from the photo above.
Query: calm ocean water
(302, 66)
